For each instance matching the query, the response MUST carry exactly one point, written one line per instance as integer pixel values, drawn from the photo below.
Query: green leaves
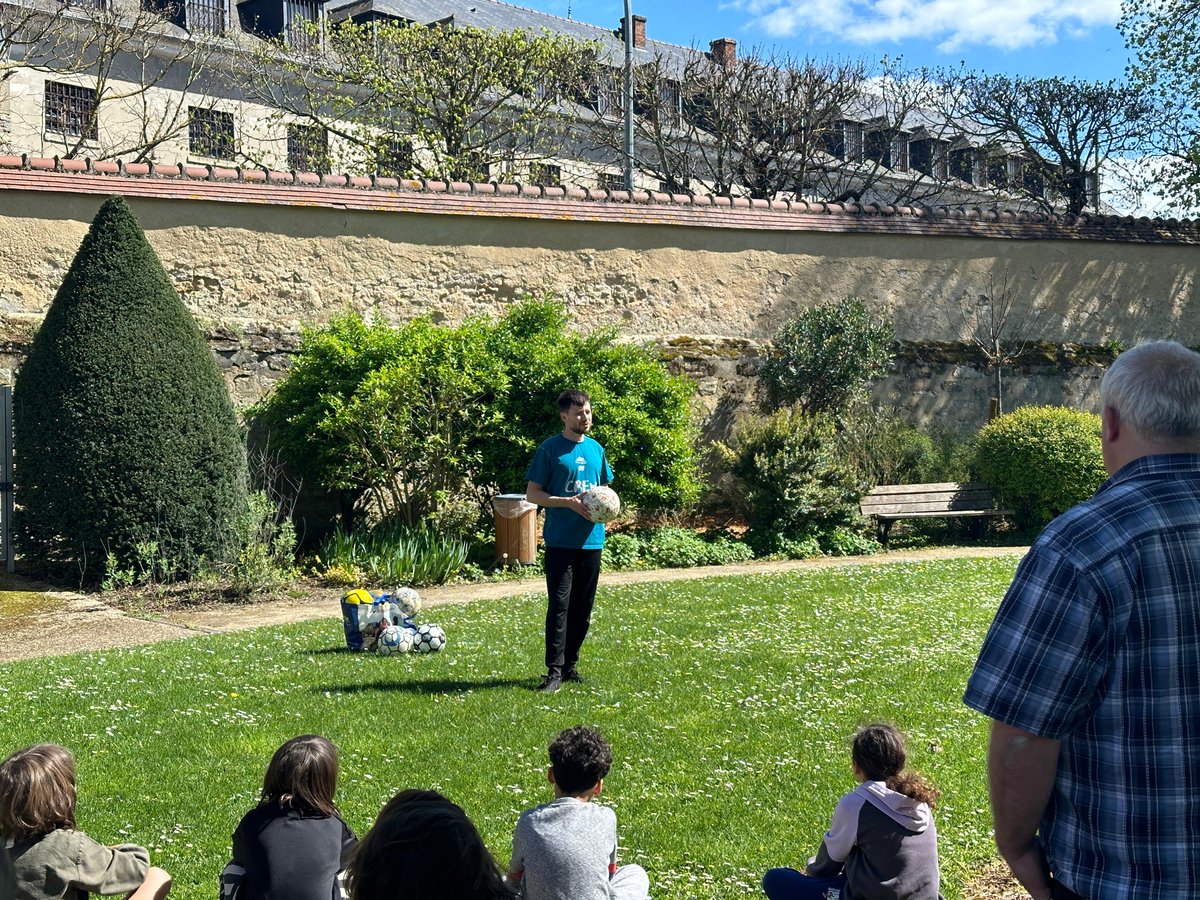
(824, 360)
(412, 418)
(465, 98)
(1041, 460)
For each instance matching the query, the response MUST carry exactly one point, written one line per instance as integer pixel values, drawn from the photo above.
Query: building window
(302, 24)
(999, 174)
(71, 110)
(610, 181)
(1033, 182)
(962, 164)
(307, 148)
(210, 133)
(545, 175)
(603, 91)
(394, 158)
(877, 147)
(843, 140)
(928, 156)
(208, 16)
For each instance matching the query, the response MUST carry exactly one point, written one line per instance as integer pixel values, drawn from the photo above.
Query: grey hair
(1155, 389)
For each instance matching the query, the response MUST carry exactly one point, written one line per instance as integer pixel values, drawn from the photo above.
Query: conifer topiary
(125, 440)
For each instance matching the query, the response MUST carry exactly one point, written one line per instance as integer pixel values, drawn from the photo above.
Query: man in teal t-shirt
(566, 466)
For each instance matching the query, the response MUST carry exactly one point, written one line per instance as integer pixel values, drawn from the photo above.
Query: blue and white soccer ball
(429, 639)
(394, 639)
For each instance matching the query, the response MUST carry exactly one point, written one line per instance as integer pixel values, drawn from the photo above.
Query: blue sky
(1070, 38)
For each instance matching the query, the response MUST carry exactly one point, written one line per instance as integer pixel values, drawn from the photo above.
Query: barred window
(208, 16)
(394, 158)
(545, 174)
(307, 148)
(71, 110)
(610, 181)
(210, 133)
(302, 24)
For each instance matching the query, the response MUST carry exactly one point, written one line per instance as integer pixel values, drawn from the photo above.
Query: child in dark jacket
(294, 843)
(49, 859)
(882, 844)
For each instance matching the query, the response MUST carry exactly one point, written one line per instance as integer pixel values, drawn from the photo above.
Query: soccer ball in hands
(429, 639)
(601, 504)
(394, 639)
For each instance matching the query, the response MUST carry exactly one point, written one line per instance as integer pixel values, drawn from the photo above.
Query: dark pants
(788, 884)
(571, 579)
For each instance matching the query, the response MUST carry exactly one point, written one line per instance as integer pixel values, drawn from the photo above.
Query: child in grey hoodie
(882, 844)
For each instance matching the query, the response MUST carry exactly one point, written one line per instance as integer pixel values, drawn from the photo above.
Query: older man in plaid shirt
(1091, 669)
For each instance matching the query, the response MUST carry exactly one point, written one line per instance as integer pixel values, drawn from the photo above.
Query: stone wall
(708, 283)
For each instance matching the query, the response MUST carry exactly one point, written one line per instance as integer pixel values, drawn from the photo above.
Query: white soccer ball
(429, 639)
(601, 504)
(394, 639)
(408, 601)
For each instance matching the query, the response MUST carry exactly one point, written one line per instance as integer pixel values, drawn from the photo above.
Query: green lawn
(728, 703)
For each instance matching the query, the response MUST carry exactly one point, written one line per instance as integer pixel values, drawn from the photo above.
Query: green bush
(884, 450)
(824, 360)
(1041, 460)
(124, 433)
(681, 548)
(620, 552)
(414, 419)
(787, 478)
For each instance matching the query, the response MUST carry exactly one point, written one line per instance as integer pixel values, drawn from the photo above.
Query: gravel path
(69, 623)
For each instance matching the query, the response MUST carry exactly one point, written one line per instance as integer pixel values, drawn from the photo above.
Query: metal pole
(6, 474)
(628, 97)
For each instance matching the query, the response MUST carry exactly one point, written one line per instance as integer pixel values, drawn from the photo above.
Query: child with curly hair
(567, 849)
(882, 844)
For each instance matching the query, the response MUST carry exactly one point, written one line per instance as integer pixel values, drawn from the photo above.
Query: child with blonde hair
(50, 859)
(882, 844)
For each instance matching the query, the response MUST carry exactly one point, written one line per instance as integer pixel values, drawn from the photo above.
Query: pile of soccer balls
(388, 627)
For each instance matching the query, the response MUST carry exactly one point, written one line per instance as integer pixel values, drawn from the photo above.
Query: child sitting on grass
(882, 844)
(423, 847)
(567, 849)
(294, 843)
(49, 858)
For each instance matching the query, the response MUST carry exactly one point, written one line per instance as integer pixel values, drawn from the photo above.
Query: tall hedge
(123, 429)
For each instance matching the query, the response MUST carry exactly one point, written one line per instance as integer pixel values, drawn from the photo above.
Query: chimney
(639, 31)
(723, 51)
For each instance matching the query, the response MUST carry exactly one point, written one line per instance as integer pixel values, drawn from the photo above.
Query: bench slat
(927, 507)
(966, 513)
(930, 487)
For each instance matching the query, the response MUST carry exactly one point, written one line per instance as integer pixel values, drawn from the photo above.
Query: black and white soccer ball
(429, 639)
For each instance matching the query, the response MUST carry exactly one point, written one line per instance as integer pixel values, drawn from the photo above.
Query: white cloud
(952, 24)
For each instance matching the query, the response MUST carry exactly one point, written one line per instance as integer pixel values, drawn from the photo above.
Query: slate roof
(493, 14)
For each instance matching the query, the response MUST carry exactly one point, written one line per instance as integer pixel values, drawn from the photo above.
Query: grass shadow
(443, 686)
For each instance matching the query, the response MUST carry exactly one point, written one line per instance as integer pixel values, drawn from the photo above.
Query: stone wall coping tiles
(505, 200)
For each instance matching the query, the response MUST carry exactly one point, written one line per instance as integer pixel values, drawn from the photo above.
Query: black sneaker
(572, 674)
(550, 684)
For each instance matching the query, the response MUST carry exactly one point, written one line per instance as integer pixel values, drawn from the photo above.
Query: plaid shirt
(1097, 643)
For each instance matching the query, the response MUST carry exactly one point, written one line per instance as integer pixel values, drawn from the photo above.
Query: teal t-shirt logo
(564, 468)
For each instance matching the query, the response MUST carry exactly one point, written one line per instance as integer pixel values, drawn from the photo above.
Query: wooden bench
(950, 499)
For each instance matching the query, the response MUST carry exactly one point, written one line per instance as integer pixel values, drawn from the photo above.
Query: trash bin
(516, 528)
